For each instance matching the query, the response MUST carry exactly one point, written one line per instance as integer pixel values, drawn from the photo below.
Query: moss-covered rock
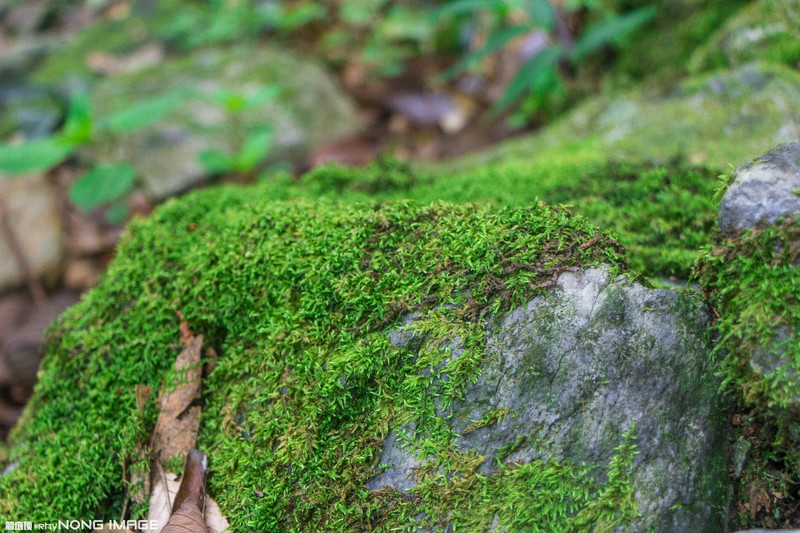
(571, 377)
(763, 191)
(300, 299)
(718, 120)
(766, 30)
(292, 294)
(750, 272)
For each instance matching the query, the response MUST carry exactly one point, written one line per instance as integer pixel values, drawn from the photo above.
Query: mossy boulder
(578, 377)
(717, 119)
(304, 302)
(308, 108)
(763, 191)
(767, 30)
(750, 271)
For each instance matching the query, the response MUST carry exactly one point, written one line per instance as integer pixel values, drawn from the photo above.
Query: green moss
(715, 119)
(541, 496)
(751, 277)
(765, 30)
(662, 214)
(296, 297)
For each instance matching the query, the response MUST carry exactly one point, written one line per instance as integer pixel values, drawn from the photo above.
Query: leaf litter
(177, 503)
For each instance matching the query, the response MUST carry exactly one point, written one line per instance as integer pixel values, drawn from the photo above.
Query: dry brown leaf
(165, 487)
(142, 393)
(164, 490)
(187, 519)
(186, 333)
(193, 482)
(178, 420)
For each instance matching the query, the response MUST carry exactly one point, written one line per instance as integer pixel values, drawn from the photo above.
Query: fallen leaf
(186, 333)
(193, 482)
(215, 522)
(187, 519)
(142, 393)
(165, 488)
(179, 420)
(351, 151)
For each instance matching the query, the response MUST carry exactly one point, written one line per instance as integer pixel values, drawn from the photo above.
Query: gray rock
(763, 190)
(34, 214)
(308, 110)
(573, 371)
(741, 450)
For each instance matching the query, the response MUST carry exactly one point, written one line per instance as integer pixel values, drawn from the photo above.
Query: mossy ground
(296, 297)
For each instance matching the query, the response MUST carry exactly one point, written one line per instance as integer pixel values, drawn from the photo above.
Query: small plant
(540, 77)
(107, 183)
(250, 147)
(104, 183)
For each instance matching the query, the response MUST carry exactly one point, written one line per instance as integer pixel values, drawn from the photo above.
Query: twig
(10, 236)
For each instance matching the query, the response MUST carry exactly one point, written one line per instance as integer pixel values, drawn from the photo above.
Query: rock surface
(33, 211)
(573, 371)
(764, 190)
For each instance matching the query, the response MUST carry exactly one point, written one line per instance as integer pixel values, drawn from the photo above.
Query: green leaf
(144, 113)
(610, 30)
(216, 161)
(494, 43)
(254, 150)
(78, 125)
(117, 213)
(102, 184)
(541, 13)
(534, 76)
(34, 156)
(462, 7)
(302, 14)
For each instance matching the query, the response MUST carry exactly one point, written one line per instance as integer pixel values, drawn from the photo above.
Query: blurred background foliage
(526, 61)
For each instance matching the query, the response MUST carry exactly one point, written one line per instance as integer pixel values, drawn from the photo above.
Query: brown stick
(8, 233)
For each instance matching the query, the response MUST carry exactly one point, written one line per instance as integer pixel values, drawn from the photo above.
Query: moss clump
(751, 277)
(662, 214)
(297, 298)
